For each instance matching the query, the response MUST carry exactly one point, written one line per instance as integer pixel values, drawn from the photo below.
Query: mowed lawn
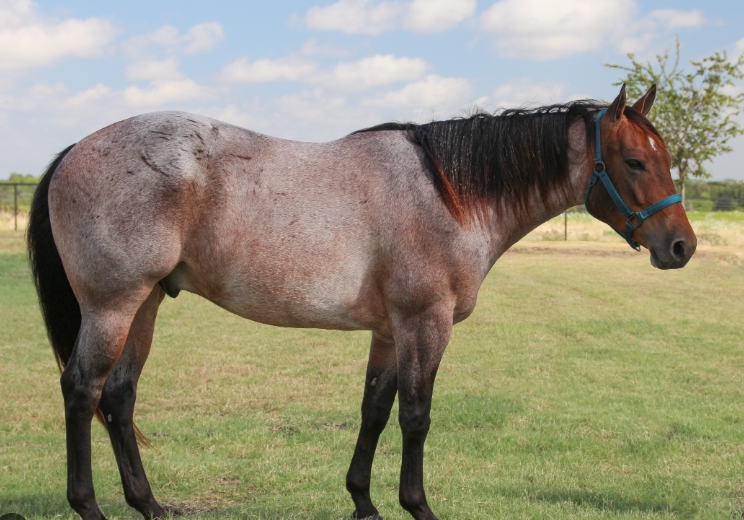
(587, 384)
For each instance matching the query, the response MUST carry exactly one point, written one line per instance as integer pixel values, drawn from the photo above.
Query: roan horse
(390, 229)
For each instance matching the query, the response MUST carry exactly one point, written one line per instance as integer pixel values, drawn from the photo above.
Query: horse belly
(281, 285)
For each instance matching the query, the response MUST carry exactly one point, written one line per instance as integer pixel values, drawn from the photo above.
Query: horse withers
(391, 229)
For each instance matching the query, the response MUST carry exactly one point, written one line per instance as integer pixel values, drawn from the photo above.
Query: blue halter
(601, 174)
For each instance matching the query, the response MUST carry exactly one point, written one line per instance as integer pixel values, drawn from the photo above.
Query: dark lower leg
(117, 404)
(80, 403)
(379, 395)
(420, 343)
(414, 423)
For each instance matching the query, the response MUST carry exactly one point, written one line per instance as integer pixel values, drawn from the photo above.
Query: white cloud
(377, 70)
(673, 18)
(437, 15)
(738, 48)
(545, 30)
(314, 105)
(27, 40)
(354, 16)
(523, 92)
(163, 92)
(375, 17)
(431, 92)
(201, 37)
(265, 70)
(154, 70)
(234, 115)
(370, 72)
(87, 97)
(315, 48)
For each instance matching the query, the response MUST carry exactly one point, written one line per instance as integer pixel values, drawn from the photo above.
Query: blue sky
(316, 70)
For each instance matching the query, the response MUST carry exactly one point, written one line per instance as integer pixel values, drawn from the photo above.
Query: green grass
(584, 386)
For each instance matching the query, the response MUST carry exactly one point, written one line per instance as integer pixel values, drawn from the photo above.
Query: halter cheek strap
(600, 173)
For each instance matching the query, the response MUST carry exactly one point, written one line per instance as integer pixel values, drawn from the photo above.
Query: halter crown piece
(600, 173)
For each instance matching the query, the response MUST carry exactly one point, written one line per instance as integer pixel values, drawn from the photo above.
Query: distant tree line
(717, 195)
(22, 178)
(714, 189)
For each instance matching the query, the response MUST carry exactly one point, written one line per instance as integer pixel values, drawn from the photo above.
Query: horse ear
(617, 107)
(643, 105)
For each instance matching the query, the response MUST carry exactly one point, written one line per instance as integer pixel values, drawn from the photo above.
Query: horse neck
(511, 224)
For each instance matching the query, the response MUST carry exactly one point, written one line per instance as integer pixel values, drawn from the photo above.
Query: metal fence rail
(714, 204)
(15, 197)
(691, 204)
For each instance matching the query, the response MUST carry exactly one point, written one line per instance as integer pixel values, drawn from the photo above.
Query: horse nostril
(679, 248)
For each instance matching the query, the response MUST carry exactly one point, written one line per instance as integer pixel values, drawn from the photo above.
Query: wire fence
(15, 199)
(691, 204)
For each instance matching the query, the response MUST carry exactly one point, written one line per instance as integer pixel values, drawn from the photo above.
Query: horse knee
(376, 418)
(415, 422)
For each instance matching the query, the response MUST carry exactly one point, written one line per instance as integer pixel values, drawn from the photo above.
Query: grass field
(586, 385)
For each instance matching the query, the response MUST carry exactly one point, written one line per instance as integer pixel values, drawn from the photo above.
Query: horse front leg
(379, 394)
(420, 342)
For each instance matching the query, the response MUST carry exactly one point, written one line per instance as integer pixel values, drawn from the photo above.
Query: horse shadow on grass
(51, 505)
(603, 501)
(54, 505)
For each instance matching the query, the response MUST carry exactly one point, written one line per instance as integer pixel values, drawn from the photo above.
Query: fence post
(565, 226)
(15, 206)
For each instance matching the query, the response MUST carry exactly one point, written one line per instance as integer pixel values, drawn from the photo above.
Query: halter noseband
(600, 173)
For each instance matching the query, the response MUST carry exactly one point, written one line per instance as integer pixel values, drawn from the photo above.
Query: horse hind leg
(379, 394)
(117, 405)
(101, 339)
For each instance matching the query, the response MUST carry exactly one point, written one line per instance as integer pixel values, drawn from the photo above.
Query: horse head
(632, 160)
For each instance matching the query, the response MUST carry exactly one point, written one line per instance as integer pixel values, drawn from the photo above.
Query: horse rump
(59, 306)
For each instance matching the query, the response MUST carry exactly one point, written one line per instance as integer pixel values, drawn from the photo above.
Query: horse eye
(635, 164)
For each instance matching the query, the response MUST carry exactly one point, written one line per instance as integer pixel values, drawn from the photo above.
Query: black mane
(505, 156)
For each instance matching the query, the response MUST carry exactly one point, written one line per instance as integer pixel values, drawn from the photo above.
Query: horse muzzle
(674, 253)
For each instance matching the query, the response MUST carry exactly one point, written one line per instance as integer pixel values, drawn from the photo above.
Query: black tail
(59, 307)
(58, 303)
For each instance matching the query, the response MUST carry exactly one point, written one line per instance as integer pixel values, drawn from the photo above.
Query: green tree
(696, 109)
(21, 178)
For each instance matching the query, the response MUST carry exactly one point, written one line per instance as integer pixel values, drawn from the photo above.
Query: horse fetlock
(83, 501)
(148, 508)
(139, 496)
(414, 501)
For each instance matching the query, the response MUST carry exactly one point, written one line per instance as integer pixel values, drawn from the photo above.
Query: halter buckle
(599, 166)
